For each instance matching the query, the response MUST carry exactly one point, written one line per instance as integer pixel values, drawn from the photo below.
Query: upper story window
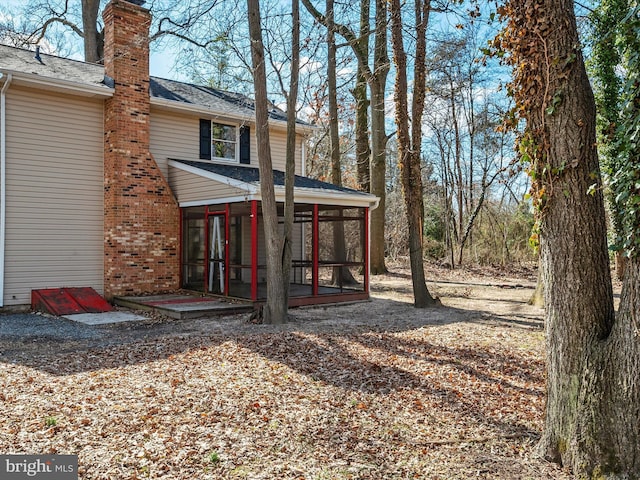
(224, 142)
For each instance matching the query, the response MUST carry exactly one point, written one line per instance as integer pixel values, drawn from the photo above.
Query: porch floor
(243, 290)
(184, 305)
(194, 304)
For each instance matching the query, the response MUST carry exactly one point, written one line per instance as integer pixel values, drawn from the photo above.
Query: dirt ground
(373, 390)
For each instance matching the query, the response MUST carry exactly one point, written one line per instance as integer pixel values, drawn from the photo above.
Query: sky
(160, 64)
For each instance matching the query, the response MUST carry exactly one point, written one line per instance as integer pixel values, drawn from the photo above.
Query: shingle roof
(21, 60)
(213, 98)
(252, 175)
(58, 68)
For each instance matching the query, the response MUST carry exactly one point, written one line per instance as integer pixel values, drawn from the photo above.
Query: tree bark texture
(377, 85)
(341, 275)
(93, 39)
(593, 389)
(290, 166)
(275, 309)
(363, 150)
(409, 143)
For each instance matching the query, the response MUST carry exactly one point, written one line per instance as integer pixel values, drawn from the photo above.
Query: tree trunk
(275, 310)
(379, 138)
(290, 168)
(93, 39)
(377, 80)
(363, 150)
(537, 298)
(577, 285)
(409, 146)
(621, 263)
(341, 275)
(593, 358)
(458, 165)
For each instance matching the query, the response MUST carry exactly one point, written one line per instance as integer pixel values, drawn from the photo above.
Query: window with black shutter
(224, 142)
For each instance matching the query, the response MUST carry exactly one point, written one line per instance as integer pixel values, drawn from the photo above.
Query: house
(131, 184)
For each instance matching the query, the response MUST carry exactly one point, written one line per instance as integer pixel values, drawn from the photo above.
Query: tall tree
(363, 148)
(290, 166)
(593, 356)
(376, 77)
(341, 274)
(409, 143)
(92, 35)
(275, 309)
(608, 83)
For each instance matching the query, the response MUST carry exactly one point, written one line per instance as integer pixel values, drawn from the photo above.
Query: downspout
(303, 154)
(3, 181)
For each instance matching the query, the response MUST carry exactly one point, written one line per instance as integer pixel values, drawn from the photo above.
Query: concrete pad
(104, 318)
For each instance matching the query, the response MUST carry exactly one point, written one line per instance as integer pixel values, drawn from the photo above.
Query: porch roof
(247, 179)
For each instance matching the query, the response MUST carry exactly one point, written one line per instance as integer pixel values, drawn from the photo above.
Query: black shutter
(245, 145)
(205, 139)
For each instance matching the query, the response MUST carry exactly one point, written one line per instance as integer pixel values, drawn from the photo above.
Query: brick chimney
(141, 215)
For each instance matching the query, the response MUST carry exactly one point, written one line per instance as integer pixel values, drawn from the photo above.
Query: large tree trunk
(290, 167)
(409, 145)
(593, 390)
(341, 275)
(573, 249)
(275, 310)
(363, 150)
(379, 138)
(93, 39)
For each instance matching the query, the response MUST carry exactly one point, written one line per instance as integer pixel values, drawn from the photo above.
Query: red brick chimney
(141, 215)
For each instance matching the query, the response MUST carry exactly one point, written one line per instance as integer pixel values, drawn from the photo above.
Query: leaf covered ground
(375, 390)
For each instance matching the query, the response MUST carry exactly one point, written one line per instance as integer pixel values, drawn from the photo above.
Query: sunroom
(223, 247)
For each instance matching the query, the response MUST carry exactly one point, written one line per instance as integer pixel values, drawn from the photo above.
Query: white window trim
(236, 157)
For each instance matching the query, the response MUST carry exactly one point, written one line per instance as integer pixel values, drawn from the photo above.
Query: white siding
(54, 229)
(189, 187)
(175, 135)
(278, 140)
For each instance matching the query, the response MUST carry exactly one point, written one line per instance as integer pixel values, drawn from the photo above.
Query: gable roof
(63, 73)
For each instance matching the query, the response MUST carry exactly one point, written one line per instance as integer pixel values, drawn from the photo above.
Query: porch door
(193, 248)
(217, 245)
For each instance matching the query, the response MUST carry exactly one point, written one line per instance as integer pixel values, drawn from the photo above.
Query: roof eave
(58, 85)
(308, 195)
(329, 197)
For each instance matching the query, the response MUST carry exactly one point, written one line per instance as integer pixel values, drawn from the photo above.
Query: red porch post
(207, 254)
(254, 250)
(315, 249)
(227, 254)
(365, 249)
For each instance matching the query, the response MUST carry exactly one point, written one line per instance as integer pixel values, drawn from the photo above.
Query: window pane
(223, 132)
(224, 150)
(223, 141)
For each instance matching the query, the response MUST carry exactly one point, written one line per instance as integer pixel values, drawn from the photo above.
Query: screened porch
(223, 252)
